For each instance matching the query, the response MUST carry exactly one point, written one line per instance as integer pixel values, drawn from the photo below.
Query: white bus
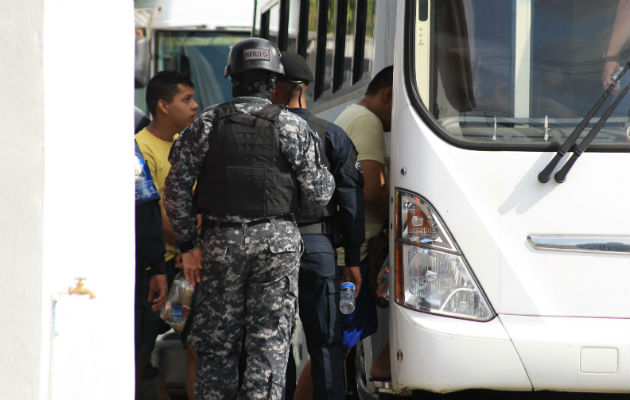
(504, 277)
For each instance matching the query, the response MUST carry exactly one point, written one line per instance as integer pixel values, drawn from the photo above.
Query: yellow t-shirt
(366, 132)
(155, 152)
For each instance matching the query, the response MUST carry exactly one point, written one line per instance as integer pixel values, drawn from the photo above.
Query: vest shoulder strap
(318, 125)
(269, 112)
(225, 110)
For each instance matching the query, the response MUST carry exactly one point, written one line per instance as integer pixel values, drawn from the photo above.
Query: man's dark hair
(382, 80)
(163, 86)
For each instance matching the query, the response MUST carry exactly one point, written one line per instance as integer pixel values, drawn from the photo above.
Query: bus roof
(203, 14)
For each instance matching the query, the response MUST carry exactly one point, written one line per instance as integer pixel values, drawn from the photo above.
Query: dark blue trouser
(320, 316)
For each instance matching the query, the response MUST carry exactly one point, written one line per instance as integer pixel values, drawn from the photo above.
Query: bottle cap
(347, 285)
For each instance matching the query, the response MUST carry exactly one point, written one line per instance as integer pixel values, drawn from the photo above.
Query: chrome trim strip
(606, 244)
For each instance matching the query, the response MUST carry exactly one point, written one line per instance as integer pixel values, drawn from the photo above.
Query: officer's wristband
(186, 246)
(353, 255)
(158, 267)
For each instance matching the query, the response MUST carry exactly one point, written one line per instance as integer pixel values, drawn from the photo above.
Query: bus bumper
(573, 354)
(515, 353)
(443, 354)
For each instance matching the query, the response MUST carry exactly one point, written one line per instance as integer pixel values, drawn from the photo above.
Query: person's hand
(178, 261)
(158, 289)
(191, 263)
(609, 69)
(352, 273)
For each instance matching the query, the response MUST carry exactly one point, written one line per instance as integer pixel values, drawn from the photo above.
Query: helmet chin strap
(296, 85)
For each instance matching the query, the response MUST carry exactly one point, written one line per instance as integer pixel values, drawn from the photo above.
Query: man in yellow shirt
(170, 98)
(365, 124)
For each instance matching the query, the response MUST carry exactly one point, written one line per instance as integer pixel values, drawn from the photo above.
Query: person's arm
(375, 188)
(300, 146)
(366, 132)
(186, 160)
(352, 273)
(349, 200)
(192, 265)
(150, 251)
(158, 289)
(619, 36)
(169, 233)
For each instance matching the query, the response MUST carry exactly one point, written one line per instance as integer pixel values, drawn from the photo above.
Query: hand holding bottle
(191, 264)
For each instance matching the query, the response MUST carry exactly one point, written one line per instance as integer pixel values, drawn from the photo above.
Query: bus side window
(311, 45)
(270, 24)
(364, 42)
(336, 37)
(355, 42)
(264, 25)
(294, 18)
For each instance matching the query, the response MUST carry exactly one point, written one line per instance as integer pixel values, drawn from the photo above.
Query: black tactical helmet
(253, 53)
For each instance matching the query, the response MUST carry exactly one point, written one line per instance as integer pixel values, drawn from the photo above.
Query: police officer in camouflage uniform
(340, 223)
(252, 162)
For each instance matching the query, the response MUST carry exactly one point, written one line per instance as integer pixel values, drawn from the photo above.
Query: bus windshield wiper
(544, 175)
(561, 175)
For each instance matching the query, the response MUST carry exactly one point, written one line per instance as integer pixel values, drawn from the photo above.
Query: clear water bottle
(382, 285)
(346, 298)
(177, 307)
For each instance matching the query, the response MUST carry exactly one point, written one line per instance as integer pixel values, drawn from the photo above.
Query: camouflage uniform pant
(248, 295)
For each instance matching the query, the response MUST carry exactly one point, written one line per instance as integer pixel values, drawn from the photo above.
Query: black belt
(316, 228)
(213, 223)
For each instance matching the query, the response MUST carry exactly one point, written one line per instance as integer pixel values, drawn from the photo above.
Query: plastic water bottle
(346, 298)
(382, 285)
(177, 307)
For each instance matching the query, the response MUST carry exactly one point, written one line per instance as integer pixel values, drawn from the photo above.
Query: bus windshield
(204, 55)
(522, 74)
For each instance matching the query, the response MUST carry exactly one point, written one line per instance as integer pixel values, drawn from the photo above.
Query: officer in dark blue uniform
(340, 223)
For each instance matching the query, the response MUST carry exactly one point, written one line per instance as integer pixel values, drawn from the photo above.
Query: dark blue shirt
(348, 194)
(149, 232)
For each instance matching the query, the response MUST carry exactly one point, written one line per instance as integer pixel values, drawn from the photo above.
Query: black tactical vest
(309, 211)
(244, 172)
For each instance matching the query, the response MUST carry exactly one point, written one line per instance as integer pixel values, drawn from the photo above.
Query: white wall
(21, 179)
(66, 79)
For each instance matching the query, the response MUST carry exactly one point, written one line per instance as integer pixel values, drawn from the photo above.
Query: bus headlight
(431, 273)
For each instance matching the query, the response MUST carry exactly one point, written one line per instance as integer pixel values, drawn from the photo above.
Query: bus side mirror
(142, 62)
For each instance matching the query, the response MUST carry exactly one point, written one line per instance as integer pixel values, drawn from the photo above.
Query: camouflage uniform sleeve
(300, 146)
(186, 158)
